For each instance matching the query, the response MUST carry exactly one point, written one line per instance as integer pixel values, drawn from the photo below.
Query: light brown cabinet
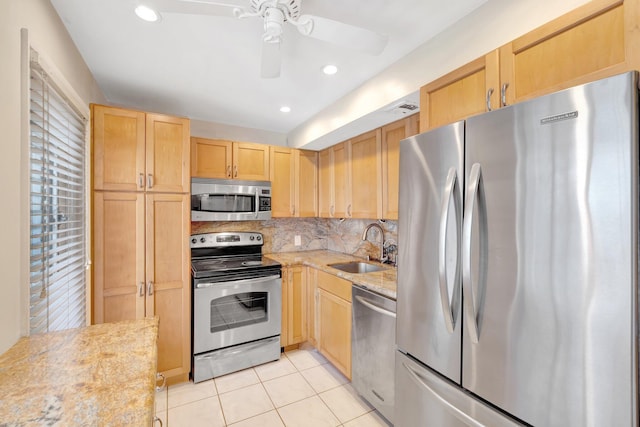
(136, 151)
(293, 175)
(334, 181)
(333, 317)
(392, 134)
(141, 223)
(312, 303)
(294, 306)
(365, 170)
(471, 89)
(596, 40)
(217, 158)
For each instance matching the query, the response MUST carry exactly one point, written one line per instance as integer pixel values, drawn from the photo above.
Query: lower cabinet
(333, 317)
(294, 306)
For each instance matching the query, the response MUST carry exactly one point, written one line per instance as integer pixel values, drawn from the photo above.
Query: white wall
(48, 34)
(236, 133)
(491, 25)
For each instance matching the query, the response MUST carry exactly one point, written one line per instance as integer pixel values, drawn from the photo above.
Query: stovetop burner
(219, 254)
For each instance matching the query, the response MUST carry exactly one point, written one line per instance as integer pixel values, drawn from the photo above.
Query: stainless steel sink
(357, 267)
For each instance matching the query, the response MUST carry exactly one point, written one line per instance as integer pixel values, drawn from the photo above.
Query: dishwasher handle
(375, 307)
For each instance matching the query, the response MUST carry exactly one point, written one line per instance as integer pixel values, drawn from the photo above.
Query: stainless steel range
(237, 300)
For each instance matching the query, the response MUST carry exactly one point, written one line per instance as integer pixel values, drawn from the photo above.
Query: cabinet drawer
(335, 285)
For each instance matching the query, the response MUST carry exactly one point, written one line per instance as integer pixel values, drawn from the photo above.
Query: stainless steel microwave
(230, 200)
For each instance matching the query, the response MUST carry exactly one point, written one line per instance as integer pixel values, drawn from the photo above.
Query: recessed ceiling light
(330, 69)
(146, 13)
(285, 109)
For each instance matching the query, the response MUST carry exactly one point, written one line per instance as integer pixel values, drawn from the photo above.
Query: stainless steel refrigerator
(518, 265)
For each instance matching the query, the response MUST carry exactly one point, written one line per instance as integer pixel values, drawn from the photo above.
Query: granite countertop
(100, 375)
(383, 282)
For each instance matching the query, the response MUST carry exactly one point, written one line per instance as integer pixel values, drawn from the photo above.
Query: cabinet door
(284, 324)
(312, 303)
(306, 192)
(168, 157)
(366, 176)
(250, 161)
(297, 302)
(282, 176)
(168, 279)
(341, 181)
(118, 148)
(325, 183)
(335, 330)
(392, 134)
(597, 40)
(211, 158)
(469, 90)
(118, 252)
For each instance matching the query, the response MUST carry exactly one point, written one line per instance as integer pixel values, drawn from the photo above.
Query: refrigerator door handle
(475, 195)
(451, 306)
(454, 410)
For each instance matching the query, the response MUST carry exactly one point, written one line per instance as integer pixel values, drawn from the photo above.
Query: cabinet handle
(161, 376)
(150, 288)
(349, 210)
(489, 93)
(331, 210)
(141, 289)
(141, 180)
(150, 181)
(293, 210)
(236, 170)
(229, 171)
(157, 420)
(503, 94)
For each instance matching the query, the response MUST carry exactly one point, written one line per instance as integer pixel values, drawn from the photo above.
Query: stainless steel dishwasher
(373, 341)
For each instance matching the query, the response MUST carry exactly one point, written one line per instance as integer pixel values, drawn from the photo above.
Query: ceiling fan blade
(342, 34)
(270, 66)
(199, 7)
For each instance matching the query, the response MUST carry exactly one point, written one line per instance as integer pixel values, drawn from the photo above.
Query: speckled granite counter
(383, 282)
(101, 375)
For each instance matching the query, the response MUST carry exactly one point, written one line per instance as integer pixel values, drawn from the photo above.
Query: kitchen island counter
(97, 375)
(383, 282)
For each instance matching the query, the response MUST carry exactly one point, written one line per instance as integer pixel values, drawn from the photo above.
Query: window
(57, 207)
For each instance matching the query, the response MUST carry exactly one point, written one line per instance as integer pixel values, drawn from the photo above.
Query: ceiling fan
(275, 13)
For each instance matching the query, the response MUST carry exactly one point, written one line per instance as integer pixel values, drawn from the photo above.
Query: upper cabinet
(469, 90)
(136, 151)
(215, 158)
(596, 40)
(334, 181)
(392, 134)
(366, 176)
(294, 182)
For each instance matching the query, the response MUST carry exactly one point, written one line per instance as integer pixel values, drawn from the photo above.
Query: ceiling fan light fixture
(285, 109)
(330, 69)
(146, 13)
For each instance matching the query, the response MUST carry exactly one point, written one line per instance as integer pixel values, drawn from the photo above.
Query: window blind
(57, 208)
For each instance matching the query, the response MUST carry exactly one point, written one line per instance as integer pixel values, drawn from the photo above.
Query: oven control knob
(202, 240)
(259, 238)
(194, 241)
(251, 237)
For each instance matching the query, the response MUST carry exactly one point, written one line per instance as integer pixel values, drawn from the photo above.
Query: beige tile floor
(301, 389)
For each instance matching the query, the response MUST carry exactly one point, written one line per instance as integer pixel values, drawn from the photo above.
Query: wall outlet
(297, 241)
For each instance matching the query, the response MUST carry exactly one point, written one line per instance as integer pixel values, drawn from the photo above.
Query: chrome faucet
(364, 237)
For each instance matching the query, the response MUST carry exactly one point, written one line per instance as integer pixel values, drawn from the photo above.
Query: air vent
(402, 108)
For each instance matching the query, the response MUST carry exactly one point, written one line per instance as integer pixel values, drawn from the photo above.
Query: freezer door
(426, 400)
(429, 224)
(550, 257)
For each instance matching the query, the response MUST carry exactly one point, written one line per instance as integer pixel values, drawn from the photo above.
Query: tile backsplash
(315, 233)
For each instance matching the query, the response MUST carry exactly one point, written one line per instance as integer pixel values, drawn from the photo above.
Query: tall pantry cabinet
(141, 227)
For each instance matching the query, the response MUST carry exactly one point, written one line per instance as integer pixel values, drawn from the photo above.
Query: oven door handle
(257, 202)
(236, 282)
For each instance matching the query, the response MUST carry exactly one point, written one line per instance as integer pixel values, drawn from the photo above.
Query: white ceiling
(208, 67)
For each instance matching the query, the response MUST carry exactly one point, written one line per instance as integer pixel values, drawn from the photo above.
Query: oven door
(227, 313)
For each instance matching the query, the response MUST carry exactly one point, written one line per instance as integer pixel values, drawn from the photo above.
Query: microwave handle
(257, 202)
